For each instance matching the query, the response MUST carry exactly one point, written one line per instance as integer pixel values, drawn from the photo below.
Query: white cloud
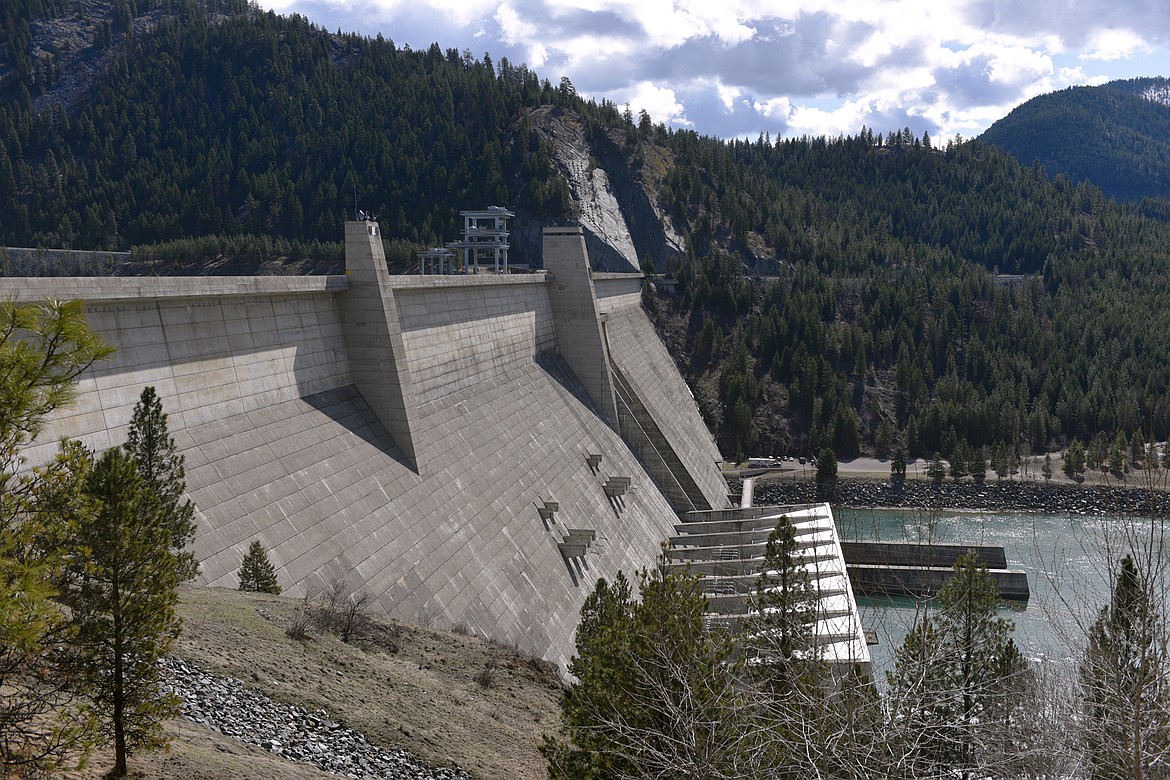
(741, 67)
(1115, 45)
(660, 103)
(727, 94)
(778, 109)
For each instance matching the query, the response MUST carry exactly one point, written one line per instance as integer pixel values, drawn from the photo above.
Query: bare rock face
(69, 43)
(611, 248)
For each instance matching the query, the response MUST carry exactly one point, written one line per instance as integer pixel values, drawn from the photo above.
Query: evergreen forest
(857, 293)
(1116, 135)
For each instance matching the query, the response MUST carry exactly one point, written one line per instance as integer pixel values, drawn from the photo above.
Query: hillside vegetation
(1116, 135)
(854, 293)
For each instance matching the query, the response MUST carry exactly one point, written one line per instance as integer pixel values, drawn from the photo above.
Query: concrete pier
(920, 570)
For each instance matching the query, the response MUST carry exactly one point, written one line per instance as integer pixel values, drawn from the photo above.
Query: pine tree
(1125, 680)
(978, 465)
(898, 466)
(778, 640)
(958, 683)
(1117, 454)
(960, 461)
(1098, 451)
(42, 720)
(164, 477)
(655, 692)
(827, 469)
(1137, 450)
(1074, 460)
(1000, 460)
(936, 470)
(257, 573)
(1046, 469)
(124, 605)
(781, 659)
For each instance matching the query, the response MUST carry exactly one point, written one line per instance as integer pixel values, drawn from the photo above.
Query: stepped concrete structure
(725, 547)
(470, 451)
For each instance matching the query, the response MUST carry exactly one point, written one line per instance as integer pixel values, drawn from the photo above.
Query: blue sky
(739, 68)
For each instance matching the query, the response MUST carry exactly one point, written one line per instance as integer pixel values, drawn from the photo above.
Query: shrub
(302, 616)
(345, 614)
(486, 677)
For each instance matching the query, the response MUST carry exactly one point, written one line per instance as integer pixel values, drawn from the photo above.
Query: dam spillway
(453, 446)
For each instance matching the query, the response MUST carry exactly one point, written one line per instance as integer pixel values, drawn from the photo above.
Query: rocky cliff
(616, 206)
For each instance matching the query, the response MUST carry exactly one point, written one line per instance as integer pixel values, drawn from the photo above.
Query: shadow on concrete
(559, 370)
(346, 407)
(574, 567)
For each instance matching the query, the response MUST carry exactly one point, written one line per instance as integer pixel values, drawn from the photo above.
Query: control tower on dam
(470, 450)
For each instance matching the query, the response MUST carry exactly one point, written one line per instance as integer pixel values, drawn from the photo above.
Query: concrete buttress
(373, 339)
(576, 318)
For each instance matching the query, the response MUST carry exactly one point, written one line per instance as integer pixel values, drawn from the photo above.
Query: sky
(742, 68)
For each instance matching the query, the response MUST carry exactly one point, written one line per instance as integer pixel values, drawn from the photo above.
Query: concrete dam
(470, 450)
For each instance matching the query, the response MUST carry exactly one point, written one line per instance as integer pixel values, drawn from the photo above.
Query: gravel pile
(228, 706)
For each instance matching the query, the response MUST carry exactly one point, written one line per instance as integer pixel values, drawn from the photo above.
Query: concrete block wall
(406, 435)
(323, 485)
(652, 374)
(617, 291)
(576, 317)
(471, 329)
(373, 336)
(212, 349)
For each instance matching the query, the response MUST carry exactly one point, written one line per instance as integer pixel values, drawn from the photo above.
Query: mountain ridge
(1116, 135)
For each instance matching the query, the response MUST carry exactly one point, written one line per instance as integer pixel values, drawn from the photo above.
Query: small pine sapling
(257, 574)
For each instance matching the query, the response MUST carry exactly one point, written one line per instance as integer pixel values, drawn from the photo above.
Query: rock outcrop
(994, 496)
(611, 247)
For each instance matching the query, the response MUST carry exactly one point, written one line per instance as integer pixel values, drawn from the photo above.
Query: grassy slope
(404, 686)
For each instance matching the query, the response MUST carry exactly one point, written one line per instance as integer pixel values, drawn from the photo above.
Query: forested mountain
(851, 292)
(1116, 135)
(887, 318)
(211, 117)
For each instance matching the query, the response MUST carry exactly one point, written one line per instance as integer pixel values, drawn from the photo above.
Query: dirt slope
(408, 687)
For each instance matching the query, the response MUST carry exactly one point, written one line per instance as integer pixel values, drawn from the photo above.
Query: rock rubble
(990, 496)
(228, 706)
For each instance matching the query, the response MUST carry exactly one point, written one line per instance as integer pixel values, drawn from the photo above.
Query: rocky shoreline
(231, 708)
(990, 496)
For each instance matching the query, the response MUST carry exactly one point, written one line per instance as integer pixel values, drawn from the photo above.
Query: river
(1064, 557)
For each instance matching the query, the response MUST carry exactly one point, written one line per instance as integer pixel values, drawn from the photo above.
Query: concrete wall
(468, 330)
(212, 347)
(373, 336)
(652, 374)
(577, 321)
(426, 440)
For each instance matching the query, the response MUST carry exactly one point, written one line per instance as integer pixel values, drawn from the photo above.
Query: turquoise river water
(1063, 556)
